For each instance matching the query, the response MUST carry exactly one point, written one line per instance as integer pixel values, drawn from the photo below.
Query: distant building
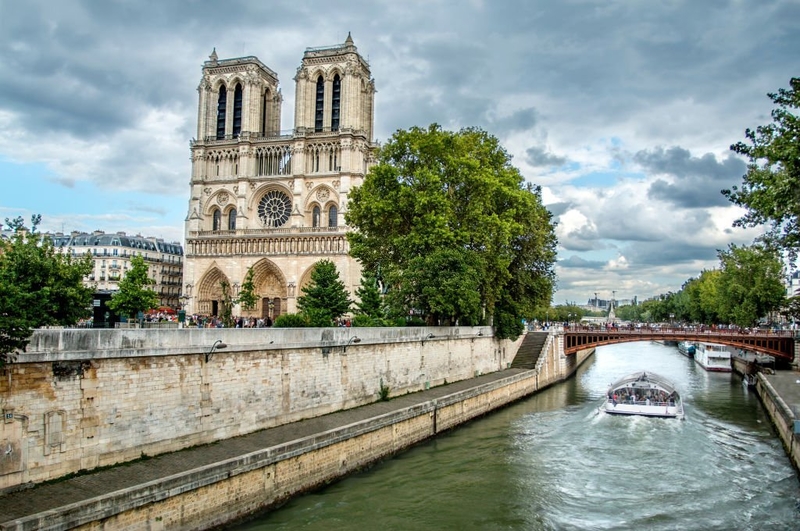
(112, 255)
(793, 284)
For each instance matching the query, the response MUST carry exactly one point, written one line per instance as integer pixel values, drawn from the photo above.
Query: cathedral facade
(270, 200)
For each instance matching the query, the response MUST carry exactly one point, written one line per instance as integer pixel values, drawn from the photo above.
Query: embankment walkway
(23, 509)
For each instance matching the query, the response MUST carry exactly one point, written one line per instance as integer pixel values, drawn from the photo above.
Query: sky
(623, 111)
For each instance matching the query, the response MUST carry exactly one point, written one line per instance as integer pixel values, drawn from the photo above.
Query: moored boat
(646, 394)
(686, 348)
(713, 357)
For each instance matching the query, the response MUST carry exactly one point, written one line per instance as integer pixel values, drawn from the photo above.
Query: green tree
(456, 233)
(226, 308)
(247, 294)
(39, 287)
(750, 284)
(370, 308)
(325, 298)
(134, 296)
(769, 189)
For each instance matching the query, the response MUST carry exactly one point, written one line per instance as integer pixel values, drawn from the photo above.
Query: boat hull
(644, 411)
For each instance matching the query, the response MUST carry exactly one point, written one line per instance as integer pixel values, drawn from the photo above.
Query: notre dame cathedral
(272, 200)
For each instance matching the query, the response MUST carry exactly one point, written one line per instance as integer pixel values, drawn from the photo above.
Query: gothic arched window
(216, 217)
(332, 216)
(222, 103)
(232, 219)
(320, 104)
(237, 110)
(336, 102)
(315, 217)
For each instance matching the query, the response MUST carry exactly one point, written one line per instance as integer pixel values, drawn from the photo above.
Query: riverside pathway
(93, 485)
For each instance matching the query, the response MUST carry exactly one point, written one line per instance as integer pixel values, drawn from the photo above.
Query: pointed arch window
(318, 112)
(216, 218)
(222, 103)
(232, 219)
(336, 102)
(315, 217)
(237, 110)
(333, 214)
(264, 113)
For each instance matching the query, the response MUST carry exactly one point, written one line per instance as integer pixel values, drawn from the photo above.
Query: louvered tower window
(336, 102)
(332, 217)
(222, 103)
(320, 104)
(237, 110)
(315, 217)
(232, 220)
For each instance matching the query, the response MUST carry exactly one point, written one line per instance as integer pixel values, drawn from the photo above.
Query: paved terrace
(61, 493)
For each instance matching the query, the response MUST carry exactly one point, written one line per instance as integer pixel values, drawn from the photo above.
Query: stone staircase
(529, 350)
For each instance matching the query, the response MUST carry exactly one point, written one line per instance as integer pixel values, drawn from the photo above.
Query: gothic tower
(271, 200)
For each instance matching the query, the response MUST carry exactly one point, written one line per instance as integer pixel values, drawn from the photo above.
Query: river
(552, 461)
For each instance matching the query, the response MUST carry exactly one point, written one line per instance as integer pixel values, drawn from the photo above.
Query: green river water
(552, 461)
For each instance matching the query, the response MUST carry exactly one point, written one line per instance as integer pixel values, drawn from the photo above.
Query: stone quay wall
(781, 415)
(81, 399)
(217, 494)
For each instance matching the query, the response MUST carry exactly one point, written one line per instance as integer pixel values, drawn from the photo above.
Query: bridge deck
(780, 344)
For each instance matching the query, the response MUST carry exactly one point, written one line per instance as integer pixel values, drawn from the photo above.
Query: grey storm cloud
(697, 181)
(538, 156)
(577, 262)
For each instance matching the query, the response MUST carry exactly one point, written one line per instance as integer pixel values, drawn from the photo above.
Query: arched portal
(270, 289)
(209, 292)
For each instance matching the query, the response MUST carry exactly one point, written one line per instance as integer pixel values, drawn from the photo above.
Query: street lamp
(218, 344)
(354, 339)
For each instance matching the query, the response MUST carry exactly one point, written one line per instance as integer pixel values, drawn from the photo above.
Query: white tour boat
(644, 393)
(713, 357)
(686, 348)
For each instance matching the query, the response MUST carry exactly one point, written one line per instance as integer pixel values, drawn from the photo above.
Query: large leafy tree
(456, 233)
(770, 190)
(134, 295)
(750, 284)
(325, 298)
(38, 286)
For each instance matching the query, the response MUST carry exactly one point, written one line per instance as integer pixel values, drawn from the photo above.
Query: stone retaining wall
(782, 418)
(81, 399)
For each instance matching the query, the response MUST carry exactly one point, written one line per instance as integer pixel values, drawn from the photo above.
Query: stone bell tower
(269, 200)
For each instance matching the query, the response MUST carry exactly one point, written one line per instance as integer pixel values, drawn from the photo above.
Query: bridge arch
(780, 344)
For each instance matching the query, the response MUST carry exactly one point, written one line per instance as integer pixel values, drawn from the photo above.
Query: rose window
(274, 209)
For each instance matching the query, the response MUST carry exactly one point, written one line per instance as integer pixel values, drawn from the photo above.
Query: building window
(237, 110)
(222, 103)
(336, 103)
(332, 216)
(232, 220)
(320, 104)
(315, 217)
(216, 220)
(115, 252)
(274, 208)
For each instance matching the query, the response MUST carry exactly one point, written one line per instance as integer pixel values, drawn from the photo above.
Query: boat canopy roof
(645, 377)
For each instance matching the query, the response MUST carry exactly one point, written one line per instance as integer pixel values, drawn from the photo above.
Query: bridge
(780, 344)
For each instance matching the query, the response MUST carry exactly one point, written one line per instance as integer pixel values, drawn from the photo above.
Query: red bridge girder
(780, 344)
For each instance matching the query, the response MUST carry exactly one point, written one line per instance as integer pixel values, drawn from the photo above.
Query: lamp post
(354, 339)
(218, 344)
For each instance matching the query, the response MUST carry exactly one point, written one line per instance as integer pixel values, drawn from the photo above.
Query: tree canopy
(769, 190)
(134, 296)
(39, 286)
(325, 298)
(454, 230)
